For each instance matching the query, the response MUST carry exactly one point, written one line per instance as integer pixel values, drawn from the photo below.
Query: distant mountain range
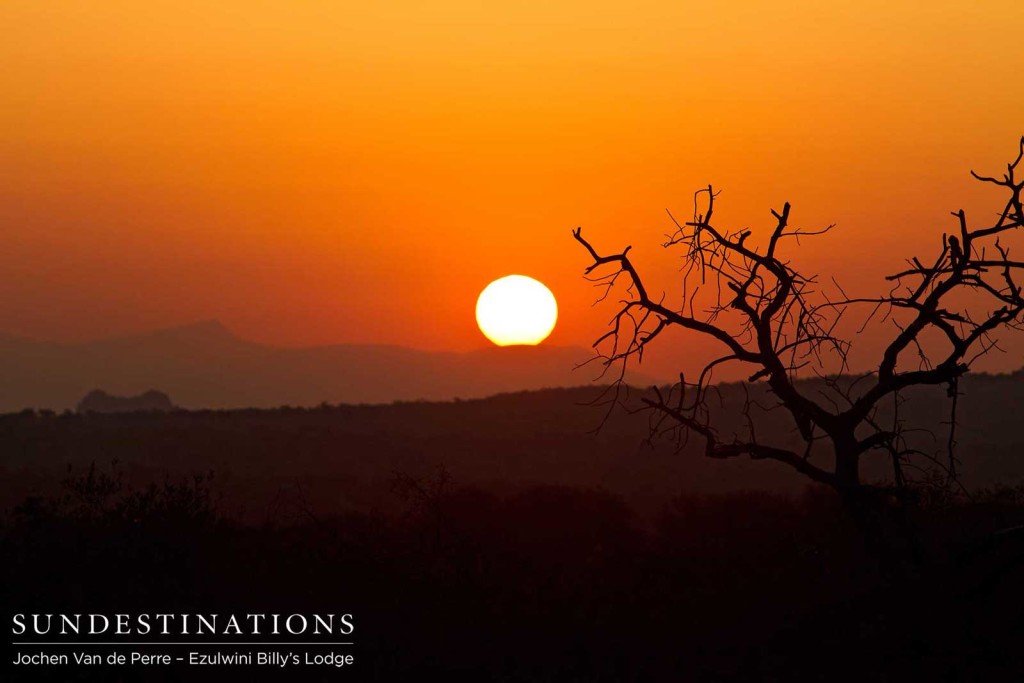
(206, 366)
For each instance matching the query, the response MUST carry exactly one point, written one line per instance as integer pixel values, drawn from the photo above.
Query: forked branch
(769, 315)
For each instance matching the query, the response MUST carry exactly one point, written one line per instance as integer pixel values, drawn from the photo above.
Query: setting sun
(516, 310)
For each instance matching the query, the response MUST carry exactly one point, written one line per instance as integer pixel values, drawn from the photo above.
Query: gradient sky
(312, 172)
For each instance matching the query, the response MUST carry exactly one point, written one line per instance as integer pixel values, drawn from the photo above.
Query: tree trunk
(889, 536)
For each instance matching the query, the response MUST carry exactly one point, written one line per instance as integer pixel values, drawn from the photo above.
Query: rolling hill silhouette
(206, 366)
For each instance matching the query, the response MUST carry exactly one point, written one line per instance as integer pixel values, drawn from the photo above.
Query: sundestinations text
(182, 624)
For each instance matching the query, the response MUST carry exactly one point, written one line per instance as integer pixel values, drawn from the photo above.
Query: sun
(516, 309)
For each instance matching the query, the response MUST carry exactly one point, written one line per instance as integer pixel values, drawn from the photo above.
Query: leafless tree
(764, 313)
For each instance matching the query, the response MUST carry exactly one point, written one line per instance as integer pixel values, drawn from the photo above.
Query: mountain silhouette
(205, 365)
(99, 401)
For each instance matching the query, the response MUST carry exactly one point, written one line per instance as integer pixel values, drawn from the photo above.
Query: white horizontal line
(161, 643)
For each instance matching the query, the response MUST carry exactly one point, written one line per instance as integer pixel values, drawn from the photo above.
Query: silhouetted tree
(768, 315)
(427, 497)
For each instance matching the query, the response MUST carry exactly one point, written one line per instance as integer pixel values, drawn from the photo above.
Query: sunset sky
(315, 172)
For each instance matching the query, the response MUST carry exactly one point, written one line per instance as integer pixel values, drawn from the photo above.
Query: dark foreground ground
(547, 584)
(481, 578)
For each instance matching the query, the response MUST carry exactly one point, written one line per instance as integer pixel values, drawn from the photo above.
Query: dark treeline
(343, 457)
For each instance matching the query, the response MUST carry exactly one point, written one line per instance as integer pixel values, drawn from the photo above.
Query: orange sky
(312, 172)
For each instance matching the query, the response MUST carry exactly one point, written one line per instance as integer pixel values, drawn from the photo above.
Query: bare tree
(766, 314)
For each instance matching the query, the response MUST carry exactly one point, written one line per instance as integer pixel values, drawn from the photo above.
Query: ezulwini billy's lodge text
(273, 658)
